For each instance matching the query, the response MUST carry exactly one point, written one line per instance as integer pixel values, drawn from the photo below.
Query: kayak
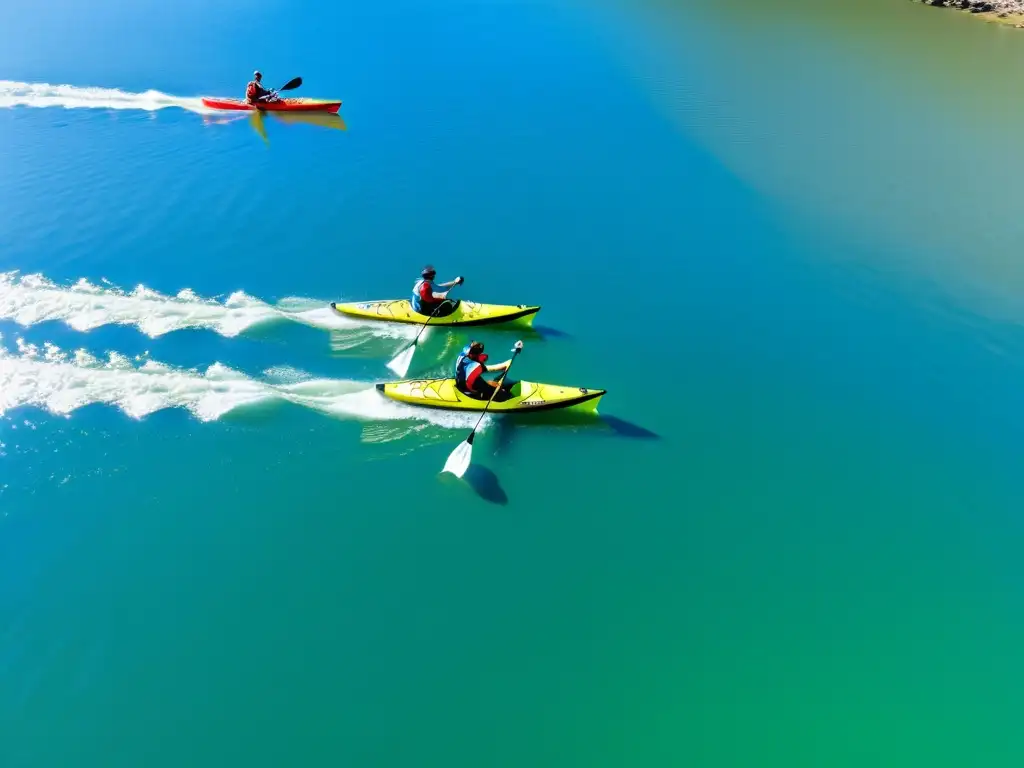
(466, 313)
(281, 105)
(527, 397)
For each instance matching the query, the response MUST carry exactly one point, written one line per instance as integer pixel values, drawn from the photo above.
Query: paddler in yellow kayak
(426, 301)
(470, 368)
(255, 92)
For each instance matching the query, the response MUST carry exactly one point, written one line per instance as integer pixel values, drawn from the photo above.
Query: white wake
(61, 382)
(16, 94)
(32, 299)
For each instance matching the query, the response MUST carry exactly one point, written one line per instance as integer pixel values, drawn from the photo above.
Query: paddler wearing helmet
(470, 368)
(426, 300)
(255, 91)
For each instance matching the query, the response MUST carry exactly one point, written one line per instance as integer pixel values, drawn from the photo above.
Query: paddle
(400, 365)
(458, 461)
(291, 85)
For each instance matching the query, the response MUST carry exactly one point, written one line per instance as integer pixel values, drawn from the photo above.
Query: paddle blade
(400, 365)
(291, 85)
(458, 462)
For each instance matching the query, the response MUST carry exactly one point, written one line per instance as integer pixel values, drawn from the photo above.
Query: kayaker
(255, 91)
(470, 368)
(427, 301)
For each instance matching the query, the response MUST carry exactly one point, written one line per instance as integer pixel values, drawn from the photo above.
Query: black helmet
(428, 271)
(476, 352)
(257, 75)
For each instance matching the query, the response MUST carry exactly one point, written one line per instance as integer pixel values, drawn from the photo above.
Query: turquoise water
(789, 539)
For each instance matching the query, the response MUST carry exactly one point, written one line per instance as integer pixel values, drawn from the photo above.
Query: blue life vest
(417, 302)
(464, 366)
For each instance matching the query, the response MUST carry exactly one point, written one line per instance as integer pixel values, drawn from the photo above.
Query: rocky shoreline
(1005, 11)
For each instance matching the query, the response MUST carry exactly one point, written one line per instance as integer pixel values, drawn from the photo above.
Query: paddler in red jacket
(470, 367)
(255, 91)
(426, 301)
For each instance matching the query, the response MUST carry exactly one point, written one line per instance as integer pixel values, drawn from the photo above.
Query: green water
(784, 237)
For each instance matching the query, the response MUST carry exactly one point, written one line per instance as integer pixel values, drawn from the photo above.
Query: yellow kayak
(466, 313)
(527, 397)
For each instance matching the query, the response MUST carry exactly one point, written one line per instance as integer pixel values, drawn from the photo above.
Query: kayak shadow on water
(530, 333)
(258, 121)
(597, 425)
(623, 428)
(547, 332)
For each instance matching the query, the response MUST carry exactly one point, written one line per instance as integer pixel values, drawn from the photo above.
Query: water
(784, 241)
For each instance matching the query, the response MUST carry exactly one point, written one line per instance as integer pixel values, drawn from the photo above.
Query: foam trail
(33, 299)
(320, 316)
(61, 382)
(16, 94)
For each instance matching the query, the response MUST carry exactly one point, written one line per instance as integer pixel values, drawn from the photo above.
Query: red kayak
(281, 105)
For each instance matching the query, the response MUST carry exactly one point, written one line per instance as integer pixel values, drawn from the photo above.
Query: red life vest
(468, 370)
(252, 91)
(474, 369)
(423, 300)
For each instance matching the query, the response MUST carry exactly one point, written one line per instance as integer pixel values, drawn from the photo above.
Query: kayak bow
(281, 105)
(466, 313)
(527, 397)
